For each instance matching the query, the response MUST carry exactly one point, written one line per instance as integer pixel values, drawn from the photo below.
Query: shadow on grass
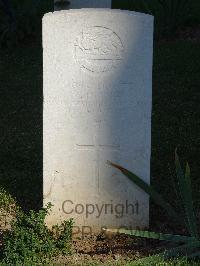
(21, 124)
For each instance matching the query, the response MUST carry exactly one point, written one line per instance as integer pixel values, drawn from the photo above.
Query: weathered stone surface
(97, 107)
(76, 4)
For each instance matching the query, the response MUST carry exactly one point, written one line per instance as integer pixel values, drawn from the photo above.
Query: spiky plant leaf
(186, 196)
(158, 199)
(152, 235)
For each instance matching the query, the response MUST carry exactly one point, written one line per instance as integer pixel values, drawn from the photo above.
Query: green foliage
(149, 190)
(169, 14)
(153, 235)
(191, 244)
(26, 23)
(7, 202)
(30, 242)
(185, 194)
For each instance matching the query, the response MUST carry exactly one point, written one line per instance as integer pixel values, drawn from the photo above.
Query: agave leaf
(191, 212)
(177, 252)
(179, 172)
(186, 196)
(178, 198)
(153, 235)
(158, 199)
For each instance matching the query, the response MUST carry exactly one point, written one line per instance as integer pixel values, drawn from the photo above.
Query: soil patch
(109, 250)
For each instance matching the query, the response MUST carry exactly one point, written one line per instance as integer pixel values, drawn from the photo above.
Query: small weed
(31, 242)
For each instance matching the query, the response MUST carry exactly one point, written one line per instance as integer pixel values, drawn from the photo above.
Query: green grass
(169, 16)
(175, 117)
(128, 4)
(21, 124)
(158, 261)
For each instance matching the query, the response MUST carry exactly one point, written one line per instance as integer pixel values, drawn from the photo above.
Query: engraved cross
(98, 147)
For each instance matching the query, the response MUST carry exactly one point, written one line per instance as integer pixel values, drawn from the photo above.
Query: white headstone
(76, 4)
(97, 108)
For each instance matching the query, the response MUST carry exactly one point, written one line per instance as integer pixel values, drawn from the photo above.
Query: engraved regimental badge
(98, 49)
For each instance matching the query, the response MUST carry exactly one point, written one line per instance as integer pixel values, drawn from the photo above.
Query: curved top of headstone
(99, 10)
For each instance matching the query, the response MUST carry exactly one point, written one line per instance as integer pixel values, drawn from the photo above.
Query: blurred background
(22, 19)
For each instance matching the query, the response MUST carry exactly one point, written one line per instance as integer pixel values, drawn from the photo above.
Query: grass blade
(160, 259)
(158, 199)
(152, 235)
(150, 261)
(186, 196)
(181, 250)
(194, 255)
(177, 198)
